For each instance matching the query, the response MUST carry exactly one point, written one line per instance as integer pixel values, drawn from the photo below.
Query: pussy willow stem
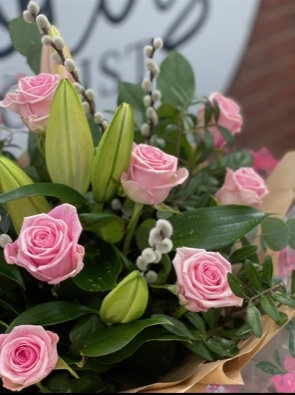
(137, 209)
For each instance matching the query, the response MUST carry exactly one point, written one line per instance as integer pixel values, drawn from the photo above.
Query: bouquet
(132, 243)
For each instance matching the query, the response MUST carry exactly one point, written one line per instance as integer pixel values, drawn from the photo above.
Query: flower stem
(137, 209)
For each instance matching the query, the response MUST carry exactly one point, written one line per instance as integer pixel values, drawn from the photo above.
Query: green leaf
(236, 286)
(267, 271)
(275, 233)
(196, 320)
(11, 272)
(243, 253)
(283, 299)
(149, 334)
(291, 225)
(253, 275)
(61, 364)
(50, 313)
(222, 347)
(108, 227)
(176, 91)
(133, 94)
(115, 337)
(270, 368)
(26, 39)
(63, 192)
(214, 227)
(176, 327)
(254, 319)
(270, 308)
(100, 273)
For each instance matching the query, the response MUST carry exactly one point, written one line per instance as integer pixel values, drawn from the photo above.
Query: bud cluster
(153, 95)
(30, 15)
(159, 243)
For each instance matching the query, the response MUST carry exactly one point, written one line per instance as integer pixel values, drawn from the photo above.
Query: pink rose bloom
(243, 186)
(202, 279)
(284, 383)
(229, 117)
(32, 100)
(263, 162)
(27, 355)
(47, 246)
(151, 175)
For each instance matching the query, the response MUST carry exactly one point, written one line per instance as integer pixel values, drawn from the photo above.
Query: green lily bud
(69, 148)
(12, 177)
(127, 301)
(113, 154)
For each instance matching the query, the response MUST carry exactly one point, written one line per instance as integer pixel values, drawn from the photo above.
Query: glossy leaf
(60, 191)
(101, 273)
(115, 337)
(107, 226)
(50, 313)
(214, 227)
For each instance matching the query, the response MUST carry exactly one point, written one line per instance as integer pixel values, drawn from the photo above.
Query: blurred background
(242, 48)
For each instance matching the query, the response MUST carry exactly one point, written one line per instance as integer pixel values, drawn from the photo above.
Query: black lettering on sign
(191, 18)
(104, 10)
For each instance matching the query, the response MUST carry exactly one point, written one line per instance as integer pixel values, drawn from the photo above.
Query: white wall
(221, 31)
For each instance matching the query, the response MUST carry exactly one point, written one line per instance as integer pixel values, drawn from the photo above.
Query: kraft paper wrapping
(194, 375)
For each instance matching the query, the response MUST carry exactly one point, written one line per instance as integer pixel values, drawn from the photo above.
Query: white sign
(107, 37)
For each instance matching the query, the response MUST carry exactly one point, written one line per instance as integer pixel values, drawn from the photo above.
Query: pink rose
(32, 100)
(229, 117)
(243, 186)
(151, 175)
(263, 162)
(284, 383)
(27, 355)
(289, 364)
(202, 279)
(47, 246)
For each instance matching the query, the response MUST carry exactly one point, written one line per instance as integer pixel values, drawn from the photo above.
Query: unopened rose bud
(127, 301)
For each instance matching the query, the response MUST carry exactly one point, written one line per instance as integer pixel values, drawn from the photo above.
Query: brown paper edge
(194, 375)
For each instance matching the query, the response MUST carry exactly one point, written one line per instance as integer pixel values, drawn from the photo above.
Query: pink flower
(229, 117)
(263, 162)
(32, 100)
(151, 175)
(27, 355)
(47, 246)
(243, 186)
(284, 383)
(202, 279)
(289, 364)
